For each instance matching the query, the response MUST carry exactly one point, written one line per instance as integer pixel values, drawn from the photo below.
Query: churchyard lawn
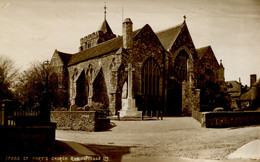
(171, 137)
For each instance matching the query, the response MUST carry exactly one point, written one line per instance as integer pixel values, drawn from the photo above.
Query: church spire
(105, 11)
(105, 27)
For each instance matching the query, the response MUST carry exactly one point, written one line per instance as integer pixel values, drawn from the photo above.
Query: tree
(213, 93)
(31, 87)
(8, 74)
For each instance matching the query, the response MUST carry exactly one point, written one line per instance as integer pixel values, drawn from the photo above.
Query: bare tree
(8, 74)
(31, 87)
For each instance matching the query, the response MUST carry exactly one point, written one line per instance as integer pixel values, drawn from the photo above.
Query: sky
(31, 30)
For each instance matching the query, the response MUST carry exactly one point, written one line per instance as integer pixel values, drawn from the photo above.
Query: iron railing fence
(11, 116)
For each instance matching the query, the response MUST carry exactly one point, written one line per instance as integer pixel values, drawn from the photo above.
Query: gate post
(2, 114)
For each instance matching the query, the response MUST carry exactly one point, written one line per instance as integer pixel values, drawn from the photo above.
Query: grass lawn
(171, 137)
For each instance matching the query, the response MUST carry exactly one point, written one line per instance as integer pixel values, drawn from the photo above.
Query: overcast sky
(31, 30)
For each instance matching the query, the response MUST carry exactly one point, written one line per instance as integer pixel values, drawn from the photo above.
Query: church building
(167, 69)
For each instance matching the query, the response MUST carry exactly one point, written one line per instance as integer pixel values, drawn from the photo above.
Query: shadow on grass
(63, 149)
(244, 126)
(112, 153)
(105, 127)
(106, 152)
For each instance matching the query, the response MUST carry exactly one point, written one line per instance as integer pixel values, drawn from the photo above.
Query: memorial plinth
(129, 111)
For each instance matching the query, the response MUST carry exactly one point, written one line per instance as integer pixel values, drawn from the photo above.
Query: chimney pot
(252, 79)
(127, 33)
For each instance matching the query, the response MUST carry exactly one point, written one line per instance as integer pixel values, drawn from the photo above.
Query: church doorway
(82, 90)
(174, 98)
(178, 70)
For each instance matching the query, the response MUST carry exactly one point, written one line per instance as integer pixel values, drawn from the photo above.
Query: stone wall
(57, 67)
(190, 100)
(92, 68)
(74, 120)
(190, 97)
(146, 45)
(79, 120)
(209, 67)
(197, 115)
(224, 119)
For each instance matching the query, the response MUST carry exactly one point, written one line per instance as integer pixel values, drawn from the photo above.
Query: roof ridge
(201, 51)
(137, 31)
(63, 52)
(203, 47)
(168, 36)
(169, 28)
(65, 57)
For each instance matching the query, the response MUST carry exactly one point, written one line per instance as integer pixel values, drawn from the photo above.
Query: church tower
(103, 34)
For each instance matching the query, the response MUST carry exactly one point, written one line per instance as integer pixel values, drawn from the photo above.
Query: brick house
(166, 65)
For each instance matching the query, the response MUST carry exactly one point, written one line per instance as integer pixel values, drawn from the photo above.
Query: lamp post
(45, 108)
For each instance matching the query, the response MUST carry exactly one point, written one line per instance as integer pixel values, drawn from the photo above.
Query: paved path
(250, 150)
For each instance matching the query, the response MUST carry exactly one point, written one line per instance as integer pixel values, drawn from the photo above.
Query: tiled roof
(105, 27)
(167, 37)
(136, 32)
(106, 47)
(64, 56)
(95, 51)
(253, 93)
(234, 88)
(201, 51)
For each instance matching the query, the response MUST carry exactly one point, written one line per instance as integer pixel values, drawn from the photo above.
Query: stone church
(166, 66)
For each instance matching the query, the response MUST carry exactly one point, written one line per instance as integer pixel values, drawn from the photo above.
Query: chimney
(252, 79)
(221, 72)
(127, 33)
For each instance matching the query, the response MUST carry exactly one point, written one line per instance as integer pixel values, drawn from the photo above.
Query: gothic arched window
(180, 66)
(151, 78)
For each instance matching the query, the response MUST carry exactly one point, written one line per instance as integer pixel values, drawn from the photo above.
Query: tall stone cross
(130, 110)
(130, 70)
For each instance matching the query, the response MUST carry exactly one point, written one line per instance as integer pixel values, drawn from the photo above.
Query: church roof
(95, 51)
(201, 51)
(110, 46)
(105, 27)
(167, 37)
(64, 56)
